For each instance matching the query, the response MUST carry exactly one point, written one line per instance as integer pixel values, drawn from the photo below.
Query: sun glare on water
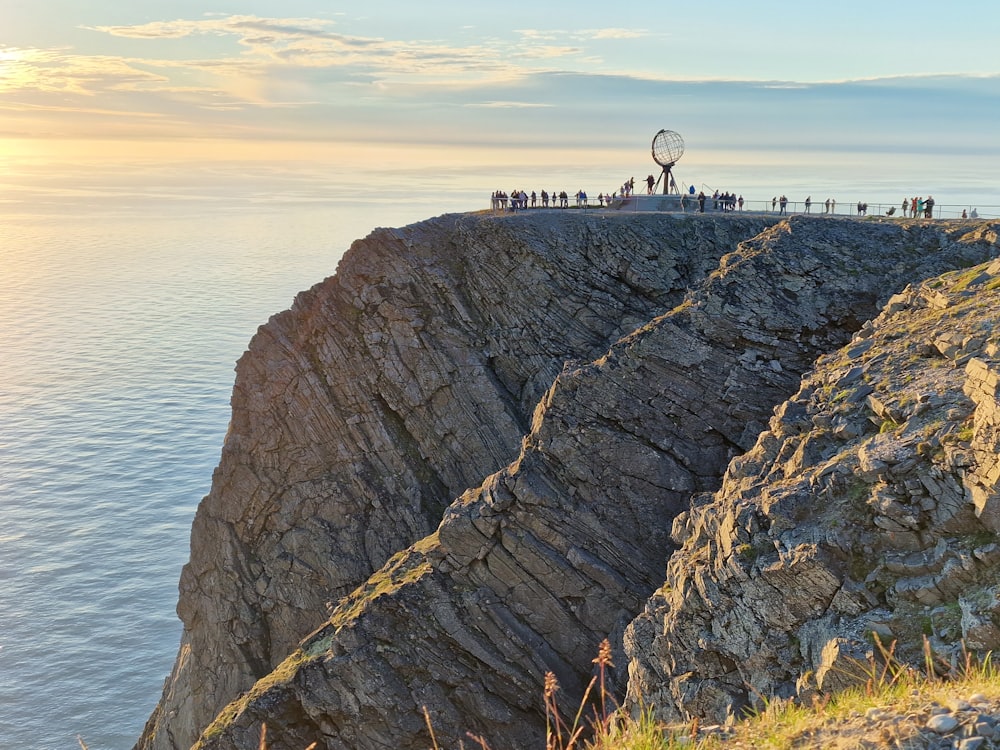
(11, 148)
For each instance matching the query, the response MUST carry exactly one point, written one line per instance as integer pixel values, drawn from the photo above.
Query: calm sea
(123, 309)
(119, 331)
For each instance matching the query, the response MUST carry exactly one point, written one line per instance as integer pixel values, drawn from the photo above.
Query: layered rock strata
(867, 512)
(384, 393)
(529, 570)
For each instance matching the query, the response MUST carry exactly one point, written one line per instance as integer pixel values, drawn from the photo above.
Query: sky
(438, 84)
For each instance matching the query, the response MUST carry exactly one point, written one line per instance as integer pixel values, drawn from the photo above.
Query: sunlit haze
(134, 90)
(173, 173)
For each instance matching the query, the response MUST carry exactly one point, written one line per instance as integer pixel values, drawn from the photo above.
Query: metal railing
(892, 210)
(638, 202)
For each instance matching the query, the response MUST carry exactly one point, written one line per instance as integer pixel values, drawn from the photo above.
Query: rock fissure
(898, 501)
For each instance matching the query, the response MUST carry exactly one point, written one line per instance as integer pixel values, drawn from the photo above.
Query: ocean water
(119, 331)
(126, 298)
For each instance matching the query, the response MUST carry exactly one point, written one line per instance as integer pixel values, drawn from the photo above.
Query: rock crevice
(865, 510)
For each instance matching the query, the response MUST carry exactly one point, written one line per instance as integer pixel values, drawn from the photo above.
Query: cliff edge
(384, 393)
(559, 386)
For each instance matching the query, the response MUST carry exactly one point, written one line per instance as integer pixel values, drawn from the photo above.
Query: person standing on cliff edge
(701, 202)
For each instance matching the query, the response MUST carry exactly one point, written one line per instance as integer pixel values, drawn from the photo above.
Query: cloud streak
(508, 105)
(304, 79)
(315, 43)
(617, 34)
(258, 65)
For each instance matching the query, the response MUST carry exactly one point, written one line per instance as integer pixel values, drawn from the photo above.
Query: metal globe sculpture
(668, 147)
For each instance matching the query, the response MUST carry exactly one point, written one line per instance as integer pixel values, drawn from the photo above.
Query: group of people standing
(518, 200)
(915, 208)
(829, 205)
(726, 201)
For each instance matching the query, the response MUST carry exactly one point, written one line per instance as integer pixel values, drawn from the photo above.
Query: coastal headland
(733, 445)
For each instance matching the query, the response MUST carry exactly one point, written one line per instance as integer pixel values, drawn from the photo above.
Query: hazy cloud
(58, 71)
(616, 34)
(262, 45)
(297, 27)
(535, 35)
(547, 52)
(301, 78)
(507, 105)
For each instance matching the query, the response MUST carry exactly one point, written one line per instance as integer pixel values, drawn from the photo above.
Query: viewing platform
(687, 203)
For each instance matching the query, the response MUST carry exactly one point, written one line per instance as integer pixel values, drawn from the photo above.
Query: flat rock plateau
(734, 445)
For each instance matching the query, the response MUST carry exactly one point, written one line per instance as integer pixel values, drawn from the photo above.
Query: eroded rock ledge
(384, 393)
(868, 509)
(530, 568)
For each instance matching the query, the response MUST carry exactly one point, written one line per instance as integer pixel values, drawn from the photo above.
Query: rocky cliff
(520, 407)
(382, 395)
(869, 509)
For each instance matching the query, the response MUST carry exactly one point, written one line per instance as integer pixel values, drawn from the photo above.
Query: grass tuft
(885, 684)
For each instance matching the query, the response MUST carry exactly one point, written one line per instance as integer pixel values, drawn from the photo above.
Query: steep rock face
(868, 509)
(384, 393)
(529, 571)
